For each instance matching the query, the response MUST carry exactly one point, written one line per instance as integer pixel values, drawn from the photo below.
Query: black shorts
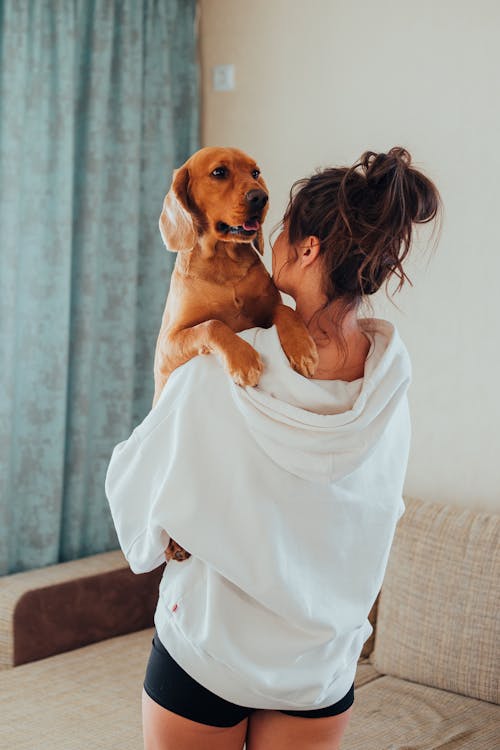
(171, 687)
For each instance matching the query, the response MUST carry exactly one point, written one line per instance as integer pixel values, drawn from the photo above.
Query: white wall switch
(223, 77)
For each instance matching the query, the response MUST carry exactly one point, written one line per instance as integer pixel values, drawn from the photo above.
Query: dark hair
(363, 216)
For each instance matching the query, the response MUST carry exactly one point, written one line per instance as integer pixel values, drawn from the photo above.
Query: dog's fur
(219, 285)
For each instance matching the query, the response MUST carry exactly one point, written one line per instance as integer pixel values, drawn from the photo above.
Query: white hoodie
(287, 496)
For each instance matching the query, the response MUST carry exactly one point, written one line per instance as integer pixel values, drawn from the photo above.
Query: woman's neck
(334, 362)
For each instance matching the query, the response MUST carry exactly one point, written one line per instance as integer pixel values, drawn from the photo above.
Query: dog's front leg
(297, 343)
(175, 347)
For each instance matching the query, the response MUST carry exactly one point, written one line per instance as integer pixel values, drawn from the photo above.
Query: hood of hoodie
(335, 429)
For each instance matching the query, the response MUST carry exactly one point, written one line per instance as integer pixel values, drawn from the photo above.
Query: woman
(287, 495)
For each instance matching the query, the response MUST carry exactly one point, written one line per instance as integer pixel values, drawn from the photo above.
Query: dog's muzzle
(249, 227)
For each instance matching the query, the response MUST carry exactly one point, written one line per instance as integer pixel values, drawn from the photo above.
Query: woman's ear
(176, 223)
(309, 251)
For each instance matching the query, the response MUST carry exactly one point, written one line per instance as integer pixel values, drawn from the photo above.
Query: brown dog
(212, 216)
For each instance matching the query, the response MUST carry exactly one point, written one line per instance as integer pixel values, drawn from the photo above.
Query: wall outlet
(223, 77)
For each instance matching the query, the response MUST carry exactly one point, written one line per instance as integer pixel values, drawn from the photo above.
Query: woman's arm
(157, 478)
(130, 481)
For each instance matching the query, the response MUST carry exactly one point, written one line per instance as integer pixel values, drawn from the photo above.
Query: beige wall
(320, 81)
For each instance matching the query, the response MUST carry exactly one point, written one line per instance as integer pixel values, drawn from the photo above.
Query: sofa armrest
(66, 606)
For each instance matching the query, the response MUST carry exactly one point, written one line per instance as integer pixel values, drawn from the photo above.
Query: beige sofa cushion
(85, 699)
(438, 620)
(391, 714)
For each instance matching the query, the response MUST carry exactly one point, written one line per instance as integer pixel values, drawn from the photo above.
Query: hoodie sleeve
(147, 502)
(148, 494)
(129, 488)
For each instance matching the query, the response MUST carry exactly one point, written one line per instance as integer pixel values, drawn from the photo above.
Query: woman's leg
(164, 730)
(273, 730)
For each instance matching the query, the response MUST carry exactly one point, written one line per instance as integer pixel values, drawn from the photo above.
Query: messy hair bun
(363, 216)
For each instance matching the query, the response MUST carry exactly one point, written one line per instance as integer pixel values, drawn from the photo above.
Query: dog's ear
(176, 223)
(258, 242)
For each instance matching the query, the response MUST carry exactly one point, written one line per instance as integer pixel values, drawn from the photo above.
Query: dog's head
(219, 193)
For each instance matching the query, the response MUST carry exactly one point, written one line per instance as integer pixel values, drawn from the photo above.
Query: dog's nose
(257, 199)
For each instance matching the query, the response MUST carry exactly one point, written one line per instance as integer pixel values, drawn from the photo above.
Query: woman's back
(289, 541)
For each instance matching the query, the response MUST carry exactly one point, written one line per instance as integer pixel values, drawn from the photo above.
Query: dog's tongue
(250, 225)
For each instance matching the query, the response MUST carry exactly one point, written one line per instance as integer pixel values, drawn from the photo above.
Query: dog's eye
(255, 174)
(219, 172)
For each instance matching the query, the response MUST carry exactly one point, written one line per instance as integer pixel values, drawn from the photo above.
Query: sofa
(75, 638)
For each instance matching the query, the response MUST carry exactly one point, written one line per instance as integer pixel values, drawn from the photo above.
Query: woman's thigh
(272, 729)
(164, 730)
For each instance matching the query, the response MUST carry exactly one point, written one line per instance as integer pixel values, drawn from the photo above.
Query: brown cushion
(365, 673)
(71, 614)
(437, 621)
(368, 645)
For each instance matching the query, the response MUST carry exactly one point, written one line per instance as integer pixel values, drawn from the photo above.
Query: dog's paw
(175, 552)
(302, 354)
(245, 365)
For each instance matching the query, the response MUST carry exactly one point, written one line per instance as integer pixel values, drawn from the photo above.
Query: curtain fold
(98, 104)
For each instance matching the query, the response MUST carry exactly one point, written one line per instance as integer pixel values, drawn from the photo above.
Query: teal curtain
(98, 103)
